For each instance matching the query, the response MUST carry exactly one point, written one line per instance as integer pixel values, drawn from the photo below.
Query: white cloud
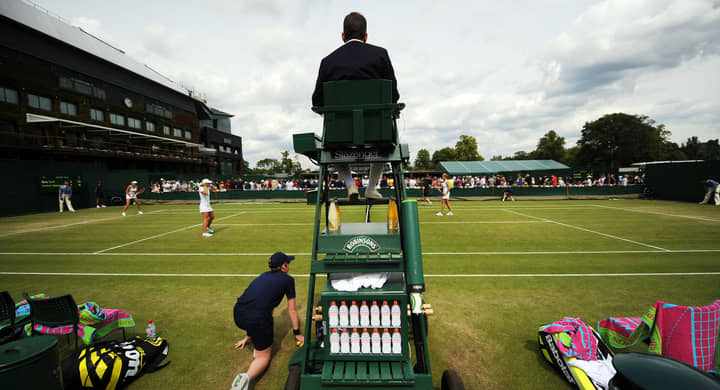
(504, 72)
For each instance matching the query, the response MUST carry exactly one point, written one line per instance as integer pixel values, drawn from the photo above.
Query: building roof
(217, 112)
(34, 18)
(489, 167)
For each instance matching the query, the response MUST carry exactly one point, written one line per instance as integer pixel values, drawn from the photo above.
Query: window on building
(188, 134)
(97, 115)
(117, 119)
(99, 93)
(68, 108)
(166, 130)
(8, 95)
(158, 110)
(82, 87)
(134, 123)
(150, 126)
(40, 102)
(177, 132)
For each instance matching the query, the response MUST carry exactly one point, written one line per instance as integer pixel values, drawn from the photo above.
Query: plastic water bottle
(355, 342)
(395, 314)
(334, 341)
(397, 342)
(386, 342)
(344, 342)
(374, 315)
(354, 315)
(364, 315)
(343, 314)
(365, 342)
(376, 342)
(150, 330)
(385, 315)
(333, 315)
(333, 217)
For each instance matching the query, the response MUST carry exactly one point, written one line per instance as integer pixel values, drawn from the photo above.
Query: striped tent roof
(487, 167)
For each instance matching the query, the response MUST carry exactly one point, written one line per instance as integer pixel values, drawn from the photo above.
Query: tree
(619, 139)
(422, 160)
(496, 158)
(550, 147)
(444, 154)
(521, 155)
(693, 148)
(268, 166)
(288, 165)
(466, 149)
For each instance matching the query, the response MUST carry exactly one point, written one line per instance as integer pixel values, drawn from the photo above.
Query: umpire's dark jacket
(355, 60)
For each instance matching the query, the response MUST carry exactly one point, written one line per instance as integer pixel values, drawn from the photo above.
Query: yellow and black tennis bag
(113, 364)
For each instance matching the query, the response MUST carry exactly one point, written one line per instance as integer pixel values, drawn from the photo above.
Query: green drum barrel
(30, 363)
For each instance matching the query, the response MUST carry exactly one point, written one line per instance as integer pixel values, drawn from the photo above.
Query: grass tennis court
(495, 272)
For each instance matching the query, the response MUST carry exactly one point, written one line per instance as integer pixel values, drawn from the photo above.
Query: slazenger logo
(361, 241)
(355, 154)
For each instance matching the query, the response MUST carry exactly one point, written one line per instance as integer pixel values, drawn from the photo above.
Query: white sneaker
(431, 203)
(97, 207)
(140, 212)
(372, 194)
(439, 214)
(450, 213)
(353, 192)
(210, 230)
(103, 206)
(207, 234)
(123, 213)
(241, 382)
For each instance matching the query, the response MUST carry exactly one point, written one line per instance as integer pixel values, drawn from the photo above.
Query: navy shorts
(260, 330)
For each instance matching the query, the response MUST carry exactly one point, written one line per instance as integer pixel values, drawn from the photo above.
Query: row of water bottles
(341, 343)
(373, 316)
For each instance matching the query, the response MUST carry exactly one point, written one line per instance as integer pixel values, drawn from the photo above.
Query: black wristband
(296, 332)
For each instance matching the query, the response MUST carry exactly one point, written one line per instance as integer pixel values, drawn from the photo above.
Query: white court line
(590, 231)
(75, 223)
(308, 254)
(162, 234)
(421, 223)
(658, 213)
(427, 275)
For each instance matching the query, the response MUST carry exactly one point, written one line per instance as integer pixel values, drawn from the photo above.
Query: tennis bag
(576, 377)
(113, 364)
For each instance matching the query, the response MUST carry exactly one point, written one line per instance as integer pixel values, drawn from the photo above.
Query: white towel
(357, 280)
(599, 371)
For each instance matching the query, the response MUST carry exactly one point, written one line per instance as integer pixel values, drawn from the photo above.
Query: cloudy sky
(503, 72)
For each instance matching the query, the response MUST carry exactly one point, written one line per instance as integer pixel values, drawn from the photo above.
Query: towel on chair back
(684, 333)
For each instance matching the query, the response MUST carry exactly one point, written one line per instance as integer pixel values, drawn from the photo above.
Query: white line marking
(589, 231)
(74, 224)
(422, 223)
(427, 276)
(308, 254)
(658, 213)
(162, 234)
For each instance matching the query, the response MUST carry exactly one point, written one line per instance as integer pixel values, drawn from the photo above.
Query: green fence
(680, 181)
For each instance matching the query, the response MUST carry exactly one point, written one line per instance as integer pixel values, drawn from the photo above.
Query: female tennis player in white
(131, 193)
(205, 209)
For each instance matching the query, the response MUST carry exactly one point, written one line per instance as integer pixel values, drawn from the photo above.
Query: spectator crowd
(412, 182)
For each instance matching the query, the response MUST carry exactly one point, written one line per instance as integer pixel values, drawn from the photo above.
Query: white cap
(133, 182)
(206, 181)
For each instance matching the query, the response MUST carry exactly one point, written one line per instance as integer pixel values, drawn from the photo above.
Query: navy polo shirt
(265, 293)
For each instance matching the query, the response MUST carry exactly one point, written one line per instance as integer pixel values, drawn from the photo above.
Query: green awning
(459, 168)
